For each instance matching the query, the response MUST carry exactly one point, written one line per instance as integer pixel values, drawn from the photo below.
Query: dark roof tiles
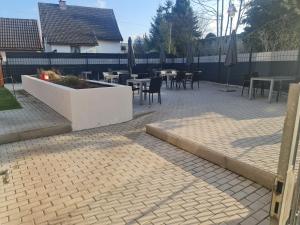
(19, 34)
(78, 25)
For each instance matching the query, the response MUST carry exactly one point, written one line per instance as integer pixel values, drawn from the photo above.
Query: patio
(33, 120)
(226, 123)
(120, 175)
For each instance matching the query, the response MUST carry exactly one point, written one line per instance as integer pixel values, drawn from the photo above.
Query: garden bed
(85, 108)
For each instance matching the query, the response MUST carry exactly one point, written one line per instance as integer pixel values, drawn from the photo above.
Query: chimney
(62, 4)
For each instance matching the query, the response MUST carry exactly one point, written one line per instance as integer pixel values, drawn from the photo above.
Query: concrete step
(35, 133)
(250, 172)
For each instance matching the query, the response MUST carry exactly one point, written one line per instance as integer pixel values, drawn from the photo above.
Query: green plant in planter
(72, 82)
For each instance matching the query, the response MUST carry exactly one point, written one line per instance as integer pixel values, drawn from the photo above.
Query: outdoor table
(272, 81)
(142, 83)
(85, 74)
(134, 76)
(110, 77)
(189, 75)
(169, 74)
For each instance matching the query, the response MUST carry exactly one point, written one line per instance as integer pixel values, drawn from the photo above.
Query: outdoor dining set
(278, 84)
(151, 83)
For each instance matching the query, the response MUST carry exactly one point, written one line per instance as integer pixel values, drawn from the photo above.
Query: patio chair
(283, 87)
(196, 77)
(256, 85)
(123, 81)
(154, 88)
(143, 75)
(178, 80)
(123, 78)
(163, 76)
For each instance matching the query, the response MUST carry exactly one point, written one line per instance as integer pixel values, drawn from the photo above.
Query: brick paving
(121, 175)
(249, 131)
(34, 115)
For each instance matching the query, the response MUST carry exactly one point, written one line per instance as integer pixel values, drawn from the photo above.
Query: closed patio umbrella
(231, 57)
(130, 56)
(162, 55)
(189, 56)
(1, 73)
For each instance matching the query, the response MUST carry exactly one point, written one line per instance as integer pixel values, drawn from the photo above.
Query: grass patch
(7, 100)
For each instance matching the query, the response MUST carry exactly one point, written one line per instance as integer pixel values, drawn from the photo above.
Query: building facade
(77, 29)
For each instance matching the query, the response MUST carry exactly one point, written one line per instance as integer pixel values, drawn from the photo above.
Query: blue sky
(134, 16)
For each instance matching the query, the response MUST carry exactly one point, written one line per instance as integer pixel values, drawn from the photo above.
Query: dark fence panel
(266, 64)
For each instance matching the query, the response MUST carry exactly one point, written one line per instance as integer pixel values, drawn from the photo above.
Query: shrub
(49, 75)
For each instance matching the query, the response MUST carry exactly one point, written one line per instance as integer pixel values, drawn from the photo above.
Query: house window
(75, 49)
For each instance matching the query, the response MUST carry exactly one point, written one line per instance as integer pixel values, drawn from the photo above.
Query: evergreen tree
(174, 27)
(185, 31)
(139, 45)
(160, 27)
(271, 26)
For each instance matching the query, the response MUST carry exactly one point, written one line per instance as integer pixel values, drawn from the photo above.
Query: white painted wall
(84, 49)
(109, 47)
(103, 47)
(58, 99)
(85, 108)
(59, 48)
(3, 55)
(106, 47)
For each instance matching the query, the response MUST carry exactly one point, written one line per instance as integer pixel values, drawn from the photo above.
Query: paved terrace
(121, 175)
(35, 119)
(249, 131)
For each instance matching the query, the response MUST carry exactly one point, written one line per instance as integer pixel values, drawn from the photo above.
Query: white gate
(285, 198)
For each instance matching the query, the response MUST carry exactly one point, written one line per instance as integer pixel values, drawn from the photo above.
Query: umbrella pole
(227, 78)
(1, 73)
(227, 81)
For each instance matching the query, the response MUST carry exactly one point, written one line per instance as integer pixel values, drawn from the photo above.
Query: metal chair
(123, 81)
(154, 88)
(179, 79)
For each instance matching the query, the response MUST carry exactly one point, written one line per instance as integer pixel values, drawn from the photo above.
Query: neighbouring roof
(78, 25)
(19, 34)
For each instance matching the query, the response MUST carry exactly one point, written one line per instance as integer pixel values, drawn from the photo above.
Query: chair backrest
(180, 76)
(163, 72)
(155, 85)
(196, 76)
(123, 78)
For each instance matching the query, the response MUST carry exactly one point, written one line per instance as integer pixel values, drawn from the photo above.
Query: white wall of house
(106, 47)
(3, 55)
(85, 49)
(103, 47)
(59, 48)
(109, 47)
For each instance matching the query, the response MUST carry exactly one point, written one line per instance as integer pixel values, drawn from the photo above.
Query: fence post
(87, 61)
(198, 61)
(250, 61)
(49, 59)
(298, 64)
(219, 64)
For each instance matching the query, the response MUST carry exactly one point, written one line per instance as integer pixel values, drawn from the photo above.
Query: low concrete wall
(85, 108)
(250, 172)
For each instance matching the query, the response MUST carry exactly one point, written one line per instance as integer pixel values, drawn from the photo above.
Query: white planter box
(85, 108)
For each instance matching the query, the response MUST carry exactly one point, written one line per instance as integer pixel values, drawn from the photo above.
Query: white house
(77, 29)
